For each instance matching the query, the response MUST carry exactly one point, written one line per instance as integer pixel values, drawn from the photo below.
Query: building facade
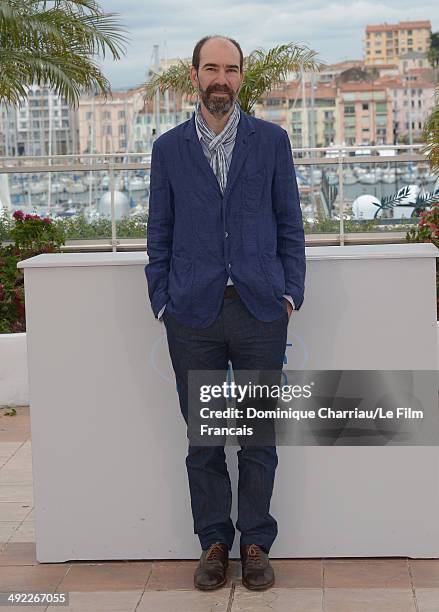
(106, 125)
(413, 99)
(386, 43)
(43, 124)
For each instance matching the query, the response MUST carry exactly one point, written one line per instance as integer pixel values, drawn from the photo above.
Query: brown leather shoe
(211, 571)
(257, 573)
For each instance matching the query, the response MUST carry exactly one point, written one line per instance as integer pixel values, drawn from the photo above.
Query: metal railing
(338, 156)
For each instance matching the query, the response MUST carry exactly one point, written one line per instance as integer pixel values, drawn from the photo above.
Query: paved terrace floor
(308, 585)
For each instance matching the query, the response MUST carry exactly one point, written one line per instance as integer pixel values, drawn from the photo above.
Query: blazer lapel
(240, 151)
(197, 155)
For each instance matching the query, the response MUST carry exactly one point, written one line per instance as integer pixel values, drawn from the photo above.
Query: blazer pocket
(274, 272)
(180, 280)
(253, 187)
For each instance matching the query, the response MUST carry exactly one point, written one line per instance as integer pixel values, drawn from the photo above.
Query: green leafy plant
(427, 230)
(56, 44)
(431, 136)
(32, 235)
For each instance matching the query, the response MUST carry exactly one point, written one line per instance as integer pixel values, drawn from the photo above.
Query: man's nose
(221, 77)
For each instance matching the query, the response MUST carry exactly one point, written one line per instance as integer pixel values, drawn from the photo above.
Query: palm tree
(263, 70)
(433, 51)
(431, 135)
(56, 43)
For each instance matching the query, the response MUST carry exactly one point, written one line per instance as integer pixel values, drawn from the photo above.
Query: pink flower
(18, 215)
(2, 291)
(47, 220)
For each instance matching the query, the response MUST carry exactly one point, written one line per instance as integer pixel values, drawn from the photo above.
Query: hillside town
(381, 99)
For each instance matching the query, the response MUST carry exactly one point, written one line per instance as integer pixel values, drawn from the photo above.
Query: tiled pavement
(310, 585)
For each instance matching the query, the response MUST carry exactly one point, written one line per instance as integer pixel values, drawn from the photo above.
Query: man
(226, 268)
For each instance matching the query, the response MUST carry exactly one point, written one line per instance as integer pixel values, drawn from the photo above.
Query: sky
(334, 29)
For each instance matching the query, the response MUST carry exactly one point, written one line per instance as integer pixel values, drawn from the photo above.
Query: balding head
(214, 44)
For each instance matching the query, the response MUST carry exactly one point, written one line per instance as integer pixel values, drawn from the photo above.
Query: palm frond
(431, 136)
(56, 43)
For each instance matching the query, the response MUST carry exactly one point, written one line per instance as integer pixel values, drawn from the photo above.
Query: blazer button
(226, 234)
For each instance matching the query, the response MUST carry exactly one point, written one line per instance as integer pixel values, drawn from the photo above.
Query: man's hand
(289, 307)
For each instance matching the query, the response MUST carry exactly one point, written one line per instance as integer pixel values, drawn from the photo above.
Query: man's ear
(193, 75)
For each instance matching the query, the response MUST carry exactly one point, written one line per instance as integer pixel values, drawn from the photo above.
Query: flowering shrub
(428, 231)
(32, 235)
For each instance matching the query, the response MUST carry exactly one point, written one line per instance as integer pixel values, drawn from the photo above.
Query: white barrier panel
(109, 443)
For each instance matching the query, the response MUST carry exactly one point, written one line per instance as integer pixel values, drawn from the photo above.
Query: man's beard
(218, 106)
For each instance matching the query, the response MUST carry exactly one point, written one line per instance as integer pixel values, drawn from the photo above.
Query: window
(107, 115)
(349, 110)
(88, 115)
(420, 124)
(419, 103)
(122, 129)
(365, 106)
(121, 114)
(107, 130)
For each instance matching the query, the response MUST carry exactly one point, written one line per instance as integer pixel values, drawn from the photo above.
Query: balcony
(110, 193)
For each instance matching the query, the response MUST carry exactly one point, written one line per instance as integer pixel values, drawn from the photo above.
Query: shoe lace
(254, 556)
(216, 551)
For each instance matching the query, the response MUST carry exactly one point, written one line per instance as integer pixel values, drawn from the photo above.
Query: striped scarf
(215, 142)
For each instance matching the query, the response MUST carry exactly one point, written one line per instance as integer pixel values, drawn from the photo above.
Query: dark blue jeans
(249, 344)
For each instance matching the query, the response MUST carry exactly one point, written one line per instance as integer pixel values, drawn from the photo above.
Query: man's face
(218, 79)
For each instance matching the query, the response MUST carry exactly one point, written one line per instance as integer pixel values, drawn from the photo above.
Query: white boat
(332, 178)
(388, 177)
(57, 187)
(136, 184)
(367, 178)
(316, 176)
(76, 187)
(38, 187)
(349, 177)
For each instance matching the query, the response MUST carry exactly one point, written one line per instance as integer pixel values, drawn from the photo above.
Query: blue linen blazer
(197, 237)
